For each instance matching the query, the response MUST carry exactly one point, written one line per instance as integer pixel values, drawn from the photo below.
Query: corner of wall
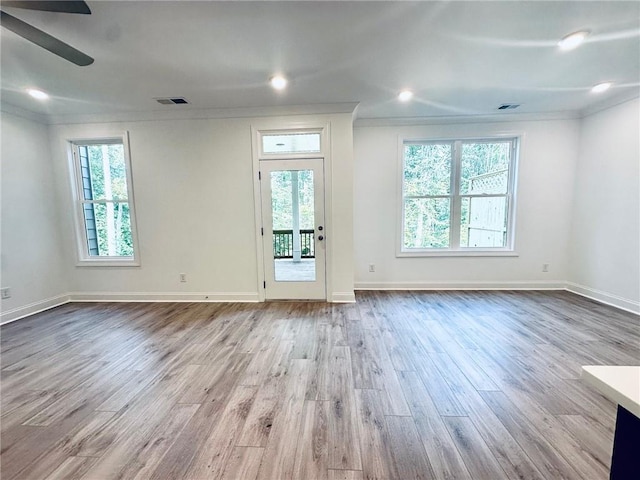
(32, 263)
(603, 254)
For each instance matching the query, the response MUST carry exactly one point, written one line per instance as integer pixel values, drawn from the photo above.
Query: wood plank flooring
(401, 385)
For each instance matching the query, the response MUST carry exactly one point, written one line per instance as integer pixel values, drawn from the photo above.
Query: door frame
(288, 289)
(286, 126)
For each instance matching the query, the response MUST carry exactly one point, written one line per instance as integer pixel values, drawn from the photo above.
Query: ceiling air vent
(508, 106)
(171, 101)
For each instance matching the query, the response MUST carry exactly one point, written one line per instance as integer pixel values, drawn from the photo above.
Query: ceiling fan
(41, 38)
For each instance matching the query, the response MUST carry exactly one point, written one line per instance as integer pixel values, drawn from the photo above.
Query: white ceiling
(460, 58)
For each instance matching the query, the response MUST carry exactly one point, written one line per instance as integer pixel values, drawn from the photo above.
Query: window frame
(454, 249)
(84, 258)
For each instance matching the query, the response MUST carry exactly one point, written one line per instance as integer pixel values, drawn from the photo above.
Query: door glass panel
(293, 223)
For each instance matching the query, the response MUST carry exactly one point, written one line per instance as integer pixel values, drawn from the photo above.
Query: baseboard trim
(32, 308)
(610, 299)
(244, 297)
(516, 285)
(343, 297)
(338, 297)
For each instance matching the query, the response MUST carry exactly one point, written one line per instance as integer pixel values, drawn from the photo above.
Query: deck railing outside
(283, 244)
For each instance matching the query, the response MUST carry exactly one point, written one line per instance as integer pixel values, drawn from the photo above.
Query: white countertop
(620, 384)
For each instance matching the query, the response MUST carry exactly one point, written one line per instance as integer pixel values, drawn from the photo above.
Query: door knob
(320, 228)
(320, 237)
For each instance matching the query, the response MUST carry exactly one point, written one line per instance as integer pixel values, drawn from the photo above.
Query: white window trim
(509, 249)
(84, 259)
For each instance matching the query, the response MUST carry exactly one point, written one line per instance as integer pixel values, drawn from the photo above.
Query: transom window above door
(291, 143)
(281, 144)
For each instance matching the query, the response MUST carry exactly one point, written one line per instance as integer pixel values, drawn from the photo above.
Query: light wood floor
(475, 385)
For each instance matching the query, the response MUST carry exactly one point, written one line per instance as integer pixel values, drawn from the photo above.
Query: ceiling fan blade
(44, 40)
(62, 7)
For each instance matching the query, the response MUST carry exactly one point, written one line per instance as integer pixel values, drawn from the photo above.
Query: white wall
(193, 183)
(194, 199)
(544, 198)
(32, 263)
(605, 237)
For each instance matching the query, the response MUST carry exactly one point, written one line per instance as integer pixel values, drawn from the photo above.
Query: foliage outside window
(282, 188)
(104, 201)
(458, 195)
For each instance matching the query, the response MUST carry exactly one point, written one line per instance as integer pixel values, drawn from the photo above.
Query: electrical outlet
(6, 293)
(372, 267)
(545, 267)
(183, 277)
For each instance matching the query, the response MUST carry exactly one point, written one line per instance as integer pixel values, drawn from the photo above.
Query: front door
(294, 235)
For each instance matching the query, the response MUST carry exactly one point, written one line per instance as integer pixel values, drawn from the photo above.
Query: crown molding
(461, 119)
(178, 112)
(621, 98)
(21, 112)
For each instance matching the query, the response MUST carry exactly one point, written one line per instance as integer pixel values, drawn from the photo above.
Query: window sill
(108, 262)
(458, 253)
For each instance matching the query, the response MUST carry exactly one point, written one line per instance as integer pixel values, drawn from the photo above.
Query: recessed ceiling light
(278, 82)
(573, 40)
(405, 95)
(601, 87)
(39, 94)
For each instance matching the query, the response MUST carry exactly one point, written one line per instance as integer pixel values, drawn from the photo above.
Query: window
(104, 202)
(281, 144)
(291, 143)
(458, 196)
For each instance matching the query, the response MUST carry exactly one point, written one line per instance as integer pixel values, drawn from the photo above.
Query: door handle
(320, 237)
